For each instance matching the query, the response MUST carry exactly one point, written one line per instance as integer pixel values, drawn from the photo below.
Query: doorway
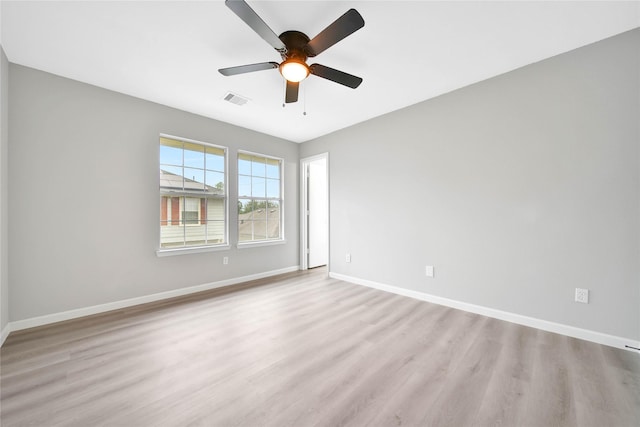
(315, 211)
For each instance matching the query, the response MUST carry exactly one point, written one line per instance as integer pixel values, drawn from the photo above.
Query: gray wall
(517, 189)
(84, 202)
(4, 190)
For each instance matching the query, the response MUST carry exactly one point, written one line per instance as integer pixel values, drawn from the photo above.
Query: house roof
(172, 182)
(263, 220)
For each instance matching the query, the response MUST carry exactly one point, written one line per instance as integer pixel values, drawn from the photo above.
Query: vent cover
(235, 98)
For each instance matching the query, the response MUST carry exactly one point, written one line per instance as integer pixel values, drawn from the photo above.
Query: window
(193, 200)
(259, 198)
(191, 212)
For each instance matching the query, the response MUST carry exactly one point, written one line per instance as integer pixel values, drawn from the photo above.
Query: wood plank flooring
(303, 350)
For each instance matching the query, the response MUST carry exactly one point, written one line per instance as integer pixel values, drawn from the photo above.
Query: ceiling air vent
(235, 99)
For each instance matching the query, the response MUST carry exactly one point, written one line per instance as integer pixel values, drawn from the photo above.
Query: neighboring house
(259, 224)
(190, 211)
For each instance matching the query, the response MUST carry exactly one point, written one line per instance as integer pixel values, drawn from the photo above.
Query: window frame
(281, 200)
(185, 249)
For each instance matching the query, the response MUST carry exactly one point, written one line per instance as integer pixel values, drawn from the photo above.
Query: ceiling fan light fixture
(294, 70)
(295, 47)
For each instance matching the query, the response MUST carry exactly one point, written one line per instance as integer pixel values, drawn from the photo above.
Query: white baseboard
(101, 308)
(558, 328)
(5, 333)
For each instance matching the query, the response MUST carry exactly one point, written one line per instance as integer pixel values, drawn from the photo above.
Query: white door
(318, 213)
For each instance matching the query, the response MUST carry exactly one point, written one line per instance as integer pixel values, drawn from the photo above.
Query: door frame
(304, 202)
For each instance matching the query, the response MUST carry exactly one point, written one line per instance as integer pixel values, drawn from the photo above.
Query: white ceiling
(407, 52)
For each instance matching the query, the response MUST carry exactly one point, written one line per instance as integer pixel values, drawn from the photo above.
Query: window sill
(191, 250)
(261, 243)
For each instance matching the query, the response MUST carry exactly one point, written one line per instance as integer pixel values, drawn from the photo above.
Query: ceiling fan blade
(334, 75)
(292, 92)
(241, 69)
(347, 24)
(251, 18)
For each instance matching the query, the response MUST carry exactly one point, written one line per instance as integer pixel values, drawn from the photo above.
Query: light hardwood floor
(304, 350)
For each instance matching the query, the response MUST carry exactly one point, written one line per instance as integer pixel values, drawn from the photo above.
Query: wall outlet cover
(429, 271)
(582, 295)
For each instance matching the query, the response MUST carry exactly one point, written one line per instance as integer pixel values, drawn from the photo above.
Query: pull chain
(284, 91)
(304, 112)
(304, 95)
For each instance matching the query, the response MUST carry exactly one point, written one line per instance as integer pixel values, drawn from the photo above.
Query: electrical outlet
(348, 258)
(429, 271)
(582, 295)
(225, 260)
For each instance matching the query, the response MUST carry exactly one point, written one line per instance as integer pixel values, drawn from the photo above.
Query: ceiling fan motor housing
(295, 41)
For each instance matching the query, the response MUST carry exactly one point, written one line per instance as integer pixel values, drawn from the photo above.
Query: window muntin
(259, 198)
(193, 195)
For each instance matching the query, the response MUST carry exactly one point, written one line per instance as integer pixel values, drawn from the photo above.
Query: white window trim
(191, 250)
(264, 242)
(162, 252)
(258, 243)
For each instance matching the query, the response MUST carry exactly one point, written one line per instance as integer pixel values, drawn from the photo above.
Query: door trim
(304, 202)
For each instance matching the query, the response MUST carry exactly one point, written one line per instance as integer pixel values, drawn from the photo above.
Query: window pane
(170, 152)
(244, 186)
(273, 168)
(214, 182)
(259, 210)
(273, 220)
(164, 214)
(171, 177)
(214, 159)
(259, 230)
(190, 210)
(171, 236)
(215, 210)
(191, 204)
(273, 229)
(274, 209)
(273, 188)
(245, 231)
(194, 155)
(258, 187)
(189, 217)
(245, 208)
(193, 179)
(215, 232)
(244, 165)
(195, 235)
(258, 166)
(171, 231)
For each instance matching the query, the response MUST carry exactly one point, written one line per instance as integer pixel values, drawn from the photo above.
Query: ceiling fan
(295, 47)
